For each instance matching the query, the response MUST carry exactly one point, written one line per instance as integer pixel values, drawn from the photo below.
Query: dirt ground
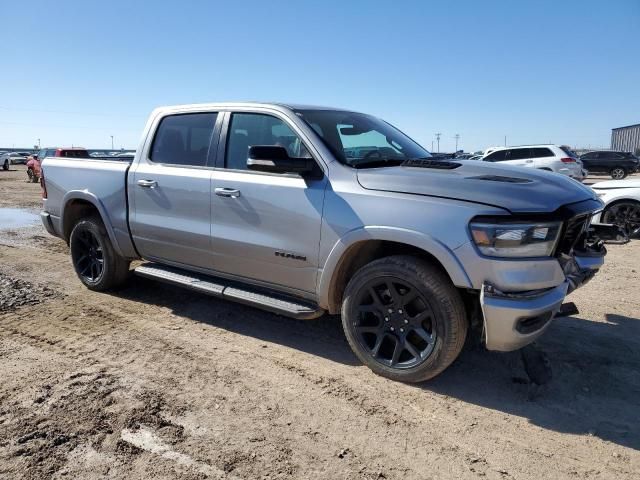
(158, 382)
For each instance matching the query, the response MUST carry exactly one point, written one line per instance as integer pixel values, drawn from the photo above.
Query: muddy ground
(158, 382)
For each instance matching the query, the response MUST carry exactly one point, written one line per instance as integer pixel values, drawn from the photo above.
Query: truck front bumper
(515, 319)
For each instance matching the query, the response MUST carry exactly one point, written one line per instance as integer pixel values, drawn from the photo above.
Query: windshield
(358, 140)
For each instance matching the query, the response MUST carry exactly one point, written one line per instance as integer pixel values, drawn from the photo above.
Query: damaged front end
(513, 319)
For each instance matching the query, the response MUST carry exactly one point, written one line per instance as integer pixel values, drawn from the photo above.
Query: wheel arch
(78, 205)
(360, 247)
(626, 199)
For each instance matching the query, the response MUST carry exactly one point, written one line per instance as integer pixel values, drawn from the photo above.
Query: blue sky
(545, 71)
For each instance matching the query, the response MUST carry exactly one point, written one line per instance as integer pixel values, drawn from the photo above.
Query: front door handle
(147, 183)
(227, 192)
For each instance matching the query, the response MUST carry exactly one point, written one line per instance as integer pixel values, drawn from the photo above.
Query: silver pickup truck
(305, 210)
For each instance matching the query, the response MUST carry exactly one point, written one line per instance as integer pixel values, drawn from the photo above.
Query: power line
(39, 110)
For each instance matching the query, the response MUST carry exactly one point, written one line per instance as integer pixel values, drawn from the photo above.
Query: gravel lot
(158, 382)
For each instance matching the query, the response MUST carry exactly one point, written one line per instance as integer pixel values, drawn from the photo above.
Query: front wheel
(5, 165)
(624, 214)
(95, 261)
(403, 318)
(618, 173)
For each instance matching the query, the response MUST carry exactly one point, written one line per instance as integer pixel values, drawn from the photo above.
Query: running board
(217, 287)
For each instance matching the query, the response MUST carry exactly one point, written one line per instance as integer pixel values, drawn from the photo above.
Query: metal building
(626, 139)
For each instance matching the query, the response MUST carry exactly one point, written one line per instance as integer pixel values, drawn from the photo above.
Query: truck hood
(517, 189)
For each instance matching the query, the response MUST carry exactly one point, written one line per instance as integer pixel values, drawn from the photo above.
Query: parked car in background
(617, 164)
(622, 204)
(554, 158)
(301, 211)
(13, 158)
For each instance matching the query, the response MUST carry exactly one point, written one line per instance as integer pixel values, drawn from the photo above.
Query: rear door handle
(227, 192)
(147, 183)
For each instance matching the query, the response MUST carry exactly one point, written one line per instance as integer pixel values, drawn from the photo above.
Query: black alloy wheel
(88, 256)
(624, 214)
(404, 318)
(395, 322)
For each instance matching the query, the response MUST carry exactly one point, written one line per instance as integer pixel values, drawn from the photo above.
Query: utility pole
(111, 142)
(457, 137)
(38, 144)
(505, 140)
(438, 140)
(432, 145)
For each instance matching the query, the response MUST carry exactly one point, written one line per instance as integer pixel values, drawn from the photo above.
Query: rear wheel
(95, 261)
(624, 214)
(618, 173)
(403, 318)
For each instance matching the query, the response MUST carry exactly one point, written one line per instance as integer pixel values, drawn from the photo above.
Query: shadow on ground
(322, 337)
(596, 365)
(595, 388)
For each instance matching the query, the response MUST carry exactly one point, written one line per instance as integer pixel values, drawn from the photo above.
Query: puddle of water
(17, 217)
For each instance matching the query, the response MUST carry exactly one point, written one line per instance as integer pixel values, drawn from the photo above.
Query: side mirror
(276, 159)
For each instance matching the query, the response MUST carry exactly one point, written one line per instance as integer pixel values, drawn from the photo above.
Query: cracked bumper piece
(512, 321)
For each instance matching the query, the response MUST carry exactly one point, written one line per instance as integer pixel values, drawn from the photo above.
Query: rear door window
(184, 139)
(74, 154)
(498, 156)
(518, 154)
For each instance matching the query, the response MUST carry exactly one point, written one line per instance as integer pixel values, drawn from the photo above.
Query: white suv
(559, 159)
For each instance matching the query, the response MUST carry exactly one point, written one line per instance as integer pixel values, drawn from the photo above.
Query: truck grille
(572, 232)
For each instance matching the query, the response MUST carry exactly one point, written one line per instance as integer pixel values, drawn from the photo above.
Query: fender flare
(102, 211)
(424, 242)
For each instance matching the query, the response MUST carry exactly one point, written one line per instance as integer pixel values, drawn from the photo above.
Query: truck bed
(100, 182)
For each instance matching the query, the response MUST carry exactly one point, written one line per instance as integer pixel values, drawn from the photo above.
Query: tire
(415, 309)
(618, 173)
(5, 165)
(94, 259)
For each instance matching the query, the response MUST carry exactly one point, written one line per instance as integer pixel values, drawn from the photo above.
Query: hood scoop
(428, 163)
(501, 178)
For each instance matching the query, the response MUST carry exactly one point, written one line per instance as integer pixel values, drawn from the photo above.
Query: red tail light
(568, 160)
(43, 185)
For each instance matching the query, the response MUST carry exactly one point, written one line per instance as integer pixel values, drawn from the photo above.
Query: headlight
(516, 239)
